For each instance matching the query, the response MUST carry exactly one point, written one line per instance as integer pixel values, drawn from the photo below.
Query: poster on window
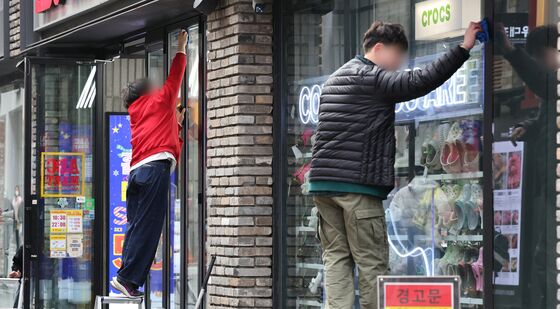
(507, 170)
(120, 155)
(62, 174)
(58, 246)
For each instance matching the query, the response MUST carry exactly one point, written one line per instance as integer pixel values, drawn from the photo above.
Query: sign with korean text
(74, 221)
(516, 26)
(418, 292)
(58, 246)
(75, 245)
(437, 19)
(66, 233)
(62, 174)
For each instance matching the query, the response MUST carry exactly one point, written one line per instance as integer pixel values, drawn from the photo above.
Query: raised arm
(537, 78)
(172, 85)
(404, 86)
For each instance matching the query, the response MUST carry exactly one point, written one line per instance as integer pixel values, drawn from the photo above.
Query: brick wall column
(239, 154)
(14, 24)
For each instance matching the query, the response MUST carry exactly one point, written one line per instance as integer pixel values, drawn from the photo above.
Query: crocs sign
(437, 19)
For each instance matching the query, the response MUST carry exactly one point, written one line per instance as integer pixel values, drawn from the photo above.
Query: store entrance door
(60, 104)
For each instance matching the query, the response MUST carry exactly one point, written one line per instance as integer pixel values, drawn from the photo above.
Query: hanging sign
(438, 19)
(418, 292)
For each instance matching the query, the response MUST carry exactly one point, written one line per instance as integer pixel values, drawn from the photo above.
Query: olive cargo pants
(353, 232)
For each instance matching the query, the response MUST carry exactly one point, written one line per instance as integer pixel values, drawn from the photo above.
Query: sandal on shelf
(461, 207)
(471, 159)
(450, 158)
(478, 272)
(475, 207)
(433, 161)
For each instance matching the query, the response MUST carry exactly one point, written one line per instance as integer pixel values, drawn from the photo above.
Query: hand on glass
(182, 39)
(180, 115)
(14, 275)
(518, 134)
(470, 35)
(503, 44)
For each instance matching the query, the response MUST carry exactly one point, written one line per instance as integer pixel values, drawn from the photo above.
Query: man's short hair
(386, 33)
(542, 38)
(134, 90)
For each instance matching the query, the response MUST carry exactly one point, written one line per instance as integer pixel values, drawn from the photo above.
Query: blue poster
(120, 155)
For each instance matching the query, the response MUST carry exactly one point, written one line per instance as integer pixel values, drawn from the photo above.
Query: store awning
(114, 22)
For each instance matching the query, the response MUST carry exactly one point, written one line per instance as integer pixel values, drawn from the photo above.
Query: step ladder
(115, 300)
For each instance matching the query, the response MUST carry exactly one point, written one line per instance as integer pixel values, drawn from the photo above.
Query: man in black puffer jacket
(352, 169)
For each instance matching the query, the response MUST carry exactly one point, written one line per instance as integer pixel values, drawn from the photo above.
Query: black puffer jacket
(356, 130)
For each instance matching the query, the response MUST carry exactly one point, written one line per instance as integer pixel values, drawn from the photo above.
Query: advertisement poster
(120, 154)
(507, 165)
(62, 174)
(58, 246)
(75, 245)
(66, 233)
(74, 221)
(119, 157)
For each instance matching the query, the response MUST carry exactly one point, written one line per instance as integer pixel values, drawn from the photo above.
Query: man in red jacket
(156, 147)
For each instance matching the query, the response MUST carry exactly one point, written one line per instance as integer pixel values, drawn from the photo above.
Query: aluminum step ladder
(116, 300)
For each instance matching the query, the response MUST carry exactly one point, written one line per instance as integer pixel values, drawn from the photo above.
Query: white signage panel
(438, 19)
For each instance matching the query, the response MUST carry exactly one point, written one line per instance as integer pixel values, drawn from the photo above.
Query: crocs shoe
(475, 207)
(471, 158)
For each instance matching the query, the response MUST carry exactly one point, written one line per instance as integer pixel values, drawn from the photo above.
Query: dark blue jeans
(147, 201)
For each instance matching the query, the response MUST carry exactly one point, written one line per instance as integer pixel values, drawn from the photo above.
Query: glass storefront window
(176, 214)
(433, 221)
(64, 95)
(524, 155)
(11, 181)
(2, 39)
(193, 161)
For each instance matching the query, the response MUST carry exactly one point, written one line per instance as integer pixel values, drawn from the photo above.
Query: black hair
(386, 33)
(134, 90)
(541, 38)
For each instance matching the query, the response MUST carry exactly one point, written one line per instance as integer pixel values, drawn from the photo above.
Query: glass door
(184, 216)
(60, 102)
